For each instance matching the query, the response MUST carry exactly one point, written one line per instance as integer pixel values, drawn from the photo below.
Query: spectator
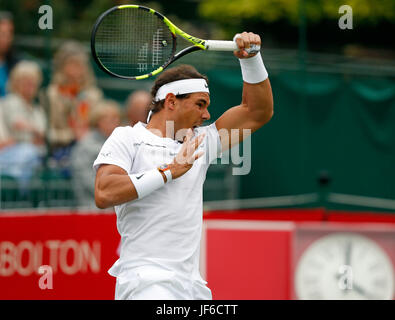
(25, 123)
(72, 94)
(24, 119)
(8, 57)
(138, 105)
(103, 120)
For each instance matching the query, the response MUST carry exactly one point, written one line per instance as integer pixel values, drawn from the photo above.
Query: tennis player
(154, 173)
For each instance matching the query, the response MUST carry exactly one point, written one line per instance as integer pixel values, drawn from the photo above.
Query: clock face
(343, 266)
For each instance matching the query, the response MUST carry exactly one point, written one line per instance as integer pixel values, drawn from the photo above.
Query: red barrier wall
(243, 256)
(79, 248)
(247, 259)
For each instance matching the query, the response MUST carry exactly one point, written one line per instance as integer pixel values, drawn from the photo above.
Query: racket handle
(221, 45)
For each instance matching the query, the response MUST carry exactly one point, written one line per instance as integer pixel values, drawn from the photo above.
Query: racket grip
(221, 45)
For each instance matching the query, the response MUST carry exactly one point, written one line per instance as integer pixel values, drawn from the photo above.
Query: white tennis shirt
(164, 228)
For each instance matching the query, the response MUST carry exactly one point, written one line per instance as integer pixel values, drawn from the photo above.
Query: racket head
(132, 42)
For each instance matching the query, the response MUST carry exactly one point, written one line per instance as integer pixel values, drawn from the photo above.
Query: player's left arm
(256, 107)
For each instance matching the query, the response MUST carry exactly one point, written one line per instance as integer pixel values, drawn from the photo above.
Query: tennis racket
(136, 42)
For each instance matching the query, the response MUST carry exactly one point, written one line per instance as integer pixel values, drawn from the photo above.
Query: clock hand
(348, 254)
(357, 288)
(347, 260)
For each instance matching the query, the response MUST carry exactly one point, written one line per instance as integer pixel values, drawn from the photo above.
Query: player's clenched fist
(245, 41)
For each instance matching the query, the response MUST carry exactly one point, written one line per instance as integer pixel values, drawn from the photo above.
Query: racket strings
(133, 42)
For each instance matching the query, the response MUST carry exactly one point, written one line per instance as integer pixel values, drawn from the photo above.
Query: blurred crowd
(62, 125)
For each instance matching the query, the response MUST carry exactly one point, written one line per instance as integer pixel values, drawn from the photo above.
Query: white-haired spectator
(24, 121)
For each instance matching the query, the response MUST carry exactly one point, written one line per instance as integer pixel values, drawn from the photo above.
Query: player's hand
(186, 156)
(244, 41)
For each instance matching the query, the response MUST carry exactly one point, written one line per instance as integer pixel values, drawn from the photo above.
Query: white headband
(182, 87)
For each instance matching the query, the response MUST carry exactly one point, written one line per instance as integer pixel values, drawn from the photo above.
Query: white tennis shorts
(148, 284)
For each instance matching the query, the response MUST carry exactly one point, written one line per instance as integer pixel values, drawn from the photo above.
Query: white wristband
(253, 70)
(147, 182)
(168, 175)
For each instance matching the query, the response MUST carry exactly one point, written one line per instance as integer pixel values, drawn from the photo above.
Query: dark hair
(180, 72)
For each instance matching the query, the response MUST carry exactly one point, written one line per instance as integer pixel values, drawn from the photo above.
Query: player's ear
(170, 101)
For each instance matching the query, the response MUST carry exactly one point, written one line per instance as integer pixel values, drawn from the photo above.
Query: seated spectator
(24, 119)
(71, 95)
(137, 107)
(24, 122)
(8, 56)
(103, 120)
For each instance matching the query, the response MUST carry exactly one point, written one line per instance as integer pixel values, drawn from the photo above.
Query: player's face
(193, 111)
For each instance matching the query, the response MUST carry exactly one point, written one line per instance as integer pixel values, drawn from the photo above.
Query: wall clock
(344, 265)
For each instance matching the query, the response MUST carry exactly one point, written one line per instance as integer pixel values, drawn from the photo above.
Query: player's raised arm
(256, 107)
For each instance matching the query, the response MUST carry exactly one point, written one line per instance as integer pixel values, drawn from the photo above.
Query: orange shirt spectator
(72, 94)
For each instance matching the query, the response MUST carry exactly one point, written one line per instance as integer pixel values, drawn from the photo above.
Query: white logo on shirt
(105, 154)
